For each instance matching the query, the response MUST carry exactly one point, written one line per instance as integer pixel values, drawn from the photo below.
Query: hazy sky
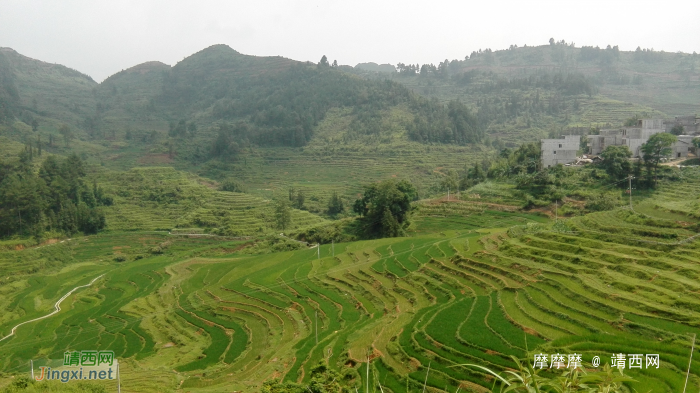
(100, 38)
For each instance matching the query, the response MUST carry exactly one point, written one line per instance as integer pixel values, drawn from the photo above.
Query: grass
(444, 297)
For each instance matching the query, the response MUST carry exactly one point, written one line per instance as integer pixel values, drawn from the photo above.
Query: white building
(559, 151)
(635, 137)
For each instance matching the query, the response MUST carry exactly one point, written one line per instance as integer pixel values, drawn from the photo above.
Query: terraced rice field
(619, 281)
(155, 198)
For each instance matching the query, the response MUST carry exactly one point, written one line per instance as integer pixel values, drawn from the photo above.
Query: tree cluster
(455, 123)
(647, 55)
(323, 380)
(182, 129)
(604, 56)
(297, 198)
(385, 208)
(276, 108)
(9, 95)
(657, 147)
(335, 205)
(55, 199)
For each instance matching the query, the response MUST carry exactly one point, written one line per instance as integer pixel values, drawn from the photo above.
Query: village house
(559, 151)
(635, 137)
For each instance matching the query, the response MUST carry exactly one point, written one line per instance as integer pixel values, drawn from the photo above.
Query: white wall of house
(559, 151)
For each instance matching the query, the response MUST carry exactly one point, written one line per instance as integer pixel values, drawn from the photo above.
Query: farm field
(471, 285)
(162, 198)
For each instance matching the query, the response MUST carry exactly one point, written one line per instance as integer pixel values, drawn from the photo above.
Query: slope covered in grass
(470, 286)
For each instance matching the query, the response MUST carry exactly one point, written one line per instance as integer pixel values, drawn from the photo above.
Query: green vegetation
(56, 200)
(616, 161)
(26, 385)
(533, 91)
(183, 178)
(657, 147)
(385, 208)
(454, 292)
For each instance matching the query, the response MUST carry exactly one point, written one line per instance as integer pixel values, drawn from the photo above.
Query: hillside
(46, 91)
(223, 114)
(473, 285)
(188, 170)
(534, 91)
(164, 199)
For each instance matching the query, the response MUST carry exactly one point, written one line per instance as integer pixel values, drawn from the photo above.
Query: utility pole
(630, 190)
(367, 391)
(31, 364)
(333, 246)
(689, 362)
(426, 377)
(448, 193)
(319, 250)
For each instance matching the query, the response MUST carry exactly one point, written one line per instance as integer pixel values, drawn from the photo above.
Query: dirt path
(57, 307)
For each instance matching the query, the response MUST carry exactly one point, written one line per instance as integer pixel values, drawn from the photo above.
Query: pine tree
(283, 215)
(390, 227)
(300, 199)
(335, 205)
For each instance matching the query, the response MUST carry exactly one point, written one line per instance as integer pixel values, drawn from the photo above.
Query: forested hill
(31, 88)
(213, 104)
(533, 91)
(218, 103)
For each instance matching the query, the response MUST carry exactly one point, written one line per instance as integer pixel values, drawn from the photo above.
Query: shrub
(605, 201)
(159, 249)
(231, 185)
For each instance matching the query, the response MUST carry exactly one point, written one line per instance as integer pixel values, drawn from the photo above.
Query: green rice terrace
(474, 283)
(161, 198)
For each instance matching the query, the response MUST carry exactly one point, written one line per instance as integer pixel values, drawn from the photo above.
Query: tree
(677, 130)
(323, 380)
(324, 62)
(35, 125)
(224, 145)
(300, 199)
(335, 205)
(67, 134)
(231, 185)
(632, 121)
(283, 215)
(616, 161)
(55, 198)
(385, 208)
(658, 146)
(696, 143)
(450, 182)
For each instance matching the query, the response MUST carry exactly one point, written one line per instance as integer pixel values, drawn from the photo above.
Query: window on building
(560, 145)
(555, 152)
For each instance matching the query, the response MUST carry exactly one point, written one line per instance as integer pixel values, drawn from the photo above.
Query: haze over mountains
(233, 220)
(497, 98)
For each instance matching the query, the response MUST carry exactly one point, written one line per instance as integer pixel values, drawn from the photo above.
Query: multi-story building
(690, 124)
(559, 151)
(635, 137)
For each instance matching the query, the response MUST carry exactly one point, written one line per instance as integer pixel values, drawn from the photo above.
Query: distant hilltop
(374, 67)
